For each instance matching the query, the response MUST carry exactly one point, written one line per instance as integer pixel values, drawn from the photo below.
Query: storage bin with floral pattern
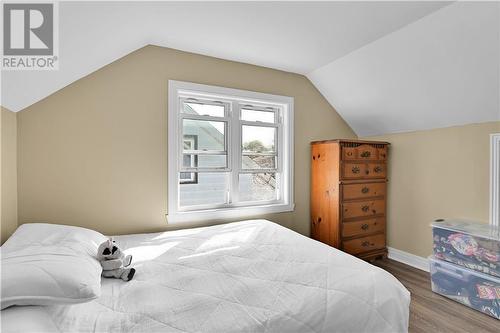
(469, 244)
(473, 289)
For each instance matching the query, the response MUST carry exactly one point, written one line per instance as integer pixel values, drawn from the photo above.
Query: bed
(249, 276)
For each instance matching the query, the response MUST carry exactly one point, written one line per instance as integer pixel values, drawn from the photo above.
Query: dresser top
(350, 141)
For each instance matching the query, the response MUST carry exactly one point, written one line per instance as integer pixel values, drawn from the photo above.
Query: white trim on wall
(495, 179)
(408, 259)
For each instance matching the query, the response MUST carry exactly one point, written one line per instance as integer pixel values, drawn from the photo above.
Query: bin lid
(470, 227)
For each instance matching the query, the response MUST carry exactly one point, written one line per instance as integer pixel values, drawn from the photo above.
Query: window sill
(228, 213)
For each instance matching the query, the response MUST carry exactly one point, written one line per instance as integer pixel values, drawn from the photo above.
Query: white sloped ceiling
(292, 36)
(385, 66)
(439, 71)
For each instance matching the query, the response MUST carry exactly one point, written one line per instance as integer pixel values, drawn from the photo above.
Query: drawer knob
(377, 169)
(364, 226)
(314, 157)
(365, 244)
(365, 190)
(365, 208)
(365, 154)
(319, 219)
(355, 169)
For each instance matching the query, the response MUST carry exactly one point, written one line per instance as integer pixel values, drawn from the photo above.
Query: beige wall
(434, 174)
(94, 154)
(8, 171)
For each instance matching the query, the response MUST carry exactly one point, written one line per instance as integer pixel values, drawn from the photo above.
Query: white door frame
(495, 179)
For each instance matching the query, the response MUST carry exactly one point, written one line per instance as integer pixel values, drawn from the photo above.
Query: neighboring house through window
(190, 143)
(230, 152)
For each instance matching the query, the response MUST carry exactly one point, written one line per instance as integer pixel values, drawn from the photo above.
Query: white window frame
(285, 202)
(495, 179)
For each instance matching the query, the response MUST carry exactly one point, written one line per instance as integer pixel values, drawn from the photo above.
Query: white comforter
(250, 276)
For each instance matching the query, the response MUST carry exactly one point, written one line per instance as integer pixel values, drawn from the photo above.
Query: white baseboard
(408, 259)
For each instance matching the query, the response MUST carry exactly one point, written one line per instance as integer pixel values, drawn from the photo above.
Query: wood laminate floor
(430, 312)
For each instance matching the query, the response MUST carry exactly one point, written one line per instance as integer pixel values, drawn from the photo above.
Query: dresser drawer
(358, 191)
(363, 208)
(364, 227)
(364, 244)
(360, 170)
(364, 153)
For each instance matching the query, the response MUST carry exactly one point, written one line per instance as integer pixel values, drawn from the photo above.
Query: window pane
(210, 135)
(204, 161)
(257, 139)
(211, 188)
(188, 177)
(204, 109)
(189, 161)
(258, 162)
(258, 187)
(255, 115)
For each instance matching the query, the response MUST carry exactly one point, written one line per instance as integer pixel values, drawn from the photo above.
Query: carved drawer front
(363, 208)
(362, 152)
(367, 152)
(364, 227)
(357, 191)
(364, 244)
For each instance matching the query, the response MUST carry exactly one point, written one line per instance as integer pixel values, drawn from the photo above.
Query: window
(230, 152)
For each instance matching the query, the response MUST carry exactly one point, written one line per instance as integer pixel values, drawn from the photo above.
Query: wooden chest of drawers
(348, 195)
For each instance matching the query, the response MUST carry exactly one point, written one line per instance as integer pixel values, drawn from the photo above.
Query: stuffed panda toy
(114, 262)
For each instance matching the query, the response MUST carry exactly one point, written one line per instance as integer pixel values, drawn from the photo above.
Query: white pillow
(44, 264)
